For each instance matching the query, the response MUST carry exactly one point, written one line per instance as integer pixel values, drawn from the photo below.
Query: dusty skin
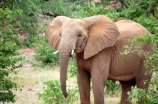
(98, 42)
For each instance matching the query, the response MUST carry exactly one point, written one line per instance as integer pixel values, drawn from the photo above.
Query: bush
(28, 21)
(91, 9)
(150, 23)
(58, 7)
(147, 96)
(53, 95)
(142, 12)
(8, 47)
(112, 86)
(137, 8)
(44, 53)
(73, 67)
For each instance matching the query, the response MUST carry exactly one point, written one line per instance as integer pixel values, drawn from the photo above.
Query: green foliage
(53, 95)
(91, 9)
(60, 7)
(145, 13)
(140, 95)
(149, 22)
(137, 8)
(8, 47)
(112, 86)
(147, 96)
(28, 21)
(7, 14)
(72, 68)
(44, 53)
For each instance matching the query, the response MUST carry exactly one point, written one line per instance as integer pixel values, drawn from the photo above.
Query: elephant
(97, 42)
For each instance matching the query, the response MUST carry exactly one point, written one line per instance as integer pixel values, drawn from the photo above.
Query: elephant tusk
(56, 52)
(72, 52)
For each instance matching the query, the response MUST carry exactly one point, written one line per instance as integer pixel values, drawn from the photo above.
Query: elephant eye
(79, 35)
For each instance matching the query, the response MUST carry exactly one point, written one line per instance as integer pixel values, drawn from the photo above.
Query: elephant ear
(102, 33)
(53, 31)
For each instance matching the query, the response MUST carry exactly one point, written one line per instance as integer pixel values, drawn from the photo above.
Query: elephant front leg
(83, 78)
(99, 73)
(98, 83)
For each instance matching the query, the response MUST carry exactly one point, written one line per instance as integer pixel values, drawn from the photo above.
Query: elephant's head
(89, 35)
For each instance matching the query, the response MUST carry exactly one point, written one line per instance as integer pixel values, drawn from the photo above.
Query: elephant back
(128, 28)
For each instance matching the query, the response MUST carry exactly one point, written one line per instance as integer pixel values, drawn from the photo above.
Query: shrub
(150, 23)
(58, 7)
(73, 67)
(44, 53)
(8, 47)
(28, 21)
(91, 9)
(142, 12)
(53, 95)
(136, 8)
(147, 96)
(112, 86)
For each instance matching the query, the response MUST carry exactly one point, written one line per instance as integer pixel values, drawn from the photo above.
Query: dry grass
(32, 79)
(32, 82)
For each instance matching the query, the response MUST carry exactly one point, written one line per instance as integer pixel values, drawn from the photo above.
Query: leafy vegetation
(45, 54)
(112, 86)
(137, 8)
(91, 9)
(147, 96)
(145, 13)
(73, 68)
(28, 23)
(8, 47)
(53, 95)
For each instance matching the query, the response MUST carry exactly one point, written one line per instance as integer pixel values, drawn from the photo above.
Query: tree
(8, 47)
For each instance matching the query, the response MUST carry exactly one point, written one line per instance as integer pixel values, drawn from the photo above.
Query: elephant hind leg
(142, 76)
(126, 86)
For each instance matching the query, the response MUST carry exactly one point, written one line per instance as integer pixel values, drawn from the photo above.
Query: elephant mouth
(79, 48)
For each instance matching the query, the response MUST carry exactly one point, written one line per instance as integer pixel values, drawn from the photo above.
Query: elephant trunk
(64, 54)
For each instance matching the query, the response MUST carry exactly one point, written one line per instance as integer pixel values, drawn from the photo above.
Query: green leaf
(126, 46)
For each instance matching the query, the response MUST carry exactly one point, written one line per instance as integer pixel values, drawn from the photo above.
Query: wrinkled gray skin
(98, 42)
